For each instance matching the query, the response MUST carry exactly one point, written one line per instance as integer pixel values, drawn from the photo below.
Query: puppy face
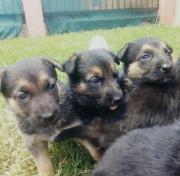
(93, 78)
(31, 90)
(148, 60)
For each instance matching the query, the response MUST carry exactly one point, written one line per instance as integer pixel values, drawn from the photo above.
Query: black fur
(93, 104)
(151, 152)
(153, 94)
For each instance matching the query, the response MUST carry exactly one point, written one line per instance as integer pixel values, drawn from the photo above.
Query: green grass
(69, 158)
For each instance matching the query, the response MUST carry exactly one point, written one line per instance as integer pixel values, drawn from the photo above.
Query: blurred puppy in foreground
(151, 152)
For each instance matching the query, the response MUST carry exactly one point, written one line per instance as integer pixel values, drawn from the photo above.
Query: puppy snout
(166, 68)
(116, 100)
(49, 115)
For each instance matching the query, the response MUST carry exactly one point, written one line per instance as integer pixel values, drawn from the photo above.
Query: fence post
(177, 20)
(34, 18)
(168, 11)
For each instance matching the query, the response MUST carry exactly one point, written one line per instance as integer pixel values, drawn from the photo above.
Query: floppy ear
(122, 53)
(54, 62)
(170, 48)
(70, 65)
(115, 57)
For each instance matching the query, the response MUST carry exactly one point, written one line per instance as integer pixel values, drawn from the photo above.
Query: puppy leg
(39, 150)
(95, 154)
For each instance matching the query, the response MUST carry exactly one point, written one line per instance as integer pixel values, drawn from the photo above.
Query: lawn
(69, 158)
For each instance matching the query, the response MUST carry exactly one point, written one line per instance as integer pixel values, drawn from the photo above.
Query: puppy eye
(22, 96)
(146, 57)
(51, 85)
(168, 52)
(115, 75)
(95, 80)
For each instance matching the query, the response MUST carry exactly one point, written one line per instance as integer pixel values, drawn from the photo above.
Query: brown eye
(51, 85)
(22, 97)
(115, 75)
(95, 80)
(168, 52)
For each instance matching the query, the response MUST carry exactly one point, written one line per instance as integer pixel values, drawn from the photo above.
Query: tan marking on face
(158, 49)
(148, 47)
(82, 87)
(26, 84)
(96, 71)
(15, 107)
(91, 148)
(135, 71)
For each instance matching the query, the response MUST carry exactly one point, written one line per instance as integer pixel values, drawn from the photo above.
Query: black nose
(166, 68)
(116, 100)
(49, 115)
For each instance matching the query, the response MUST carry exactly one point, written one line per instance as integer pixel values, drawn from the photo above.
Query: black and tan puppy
(151, 152)
(40, 103)
(96, 96)
(151, 79)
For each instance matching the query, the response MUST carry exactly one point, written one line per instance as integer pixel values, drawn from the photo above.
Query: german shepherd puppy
(96, 96)
(153, 84)
(41, 105)
(151, 152)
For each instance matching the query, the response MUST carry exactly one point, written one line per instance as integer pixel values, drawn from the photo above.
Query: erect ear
(70, 65)
(53, 62)
(122, 53)
(115, 57)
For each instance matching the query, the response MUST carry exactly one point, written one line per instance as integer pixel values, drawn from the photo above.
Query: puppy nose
(116, 100)
(166, 68)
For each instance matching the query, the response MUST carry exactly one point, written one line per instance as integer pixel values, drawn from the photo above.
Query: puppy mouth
(159, 79)
(113, 108)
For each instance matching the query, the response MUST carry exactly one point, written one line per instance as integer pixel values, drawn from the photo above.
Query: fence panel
(75, 15)
(10, 18)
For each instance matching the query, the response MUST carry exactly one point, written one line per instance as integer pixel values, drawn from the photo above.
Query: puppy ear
(70, 65)
(53, 62)
(116, 58)
(122, 53)
(170, 48)
(2, 71)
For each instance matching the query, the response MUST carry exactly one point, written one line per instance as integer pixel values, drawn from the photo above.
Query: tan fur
(92, 149)
(27, 84)
(44, 163)
(39, 150)
(135, 71)
(14, 106)
(97, 71)
(148, 47)
(82, 87)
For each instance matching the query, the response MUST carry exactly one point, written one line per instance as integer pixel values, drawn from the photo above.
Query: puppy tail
(98, 42)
